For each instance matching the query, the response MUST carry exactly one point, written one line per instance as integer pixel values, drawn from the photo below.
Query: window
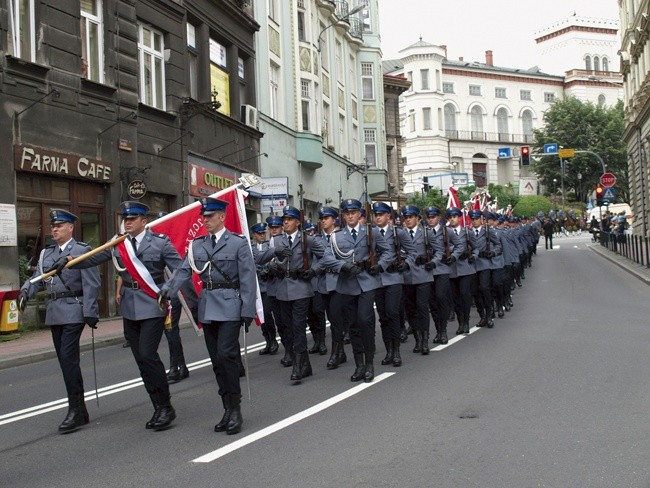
(549, 97)
(475, 90)
(450, 121)
(447, 87)
(426, 118)
(527, 125)
(325, 130)
(273, 9)
(438, 80)
(367, 81)
(92, 45)
(305, 96)
(193, 61)
(152, 67)
(370, 139)
(409, 77)
(220, 78)
(274, 76)
(352, 82)
(21, 22)
(240, 69)
(343, 136)
(588, 63)
(218, 54)
(324, 56)
(339, 57)
(476, 116)
(605, 64)
(302, 34)
(525, 95)
(601, 100)
(502, 124)
(596, 63)
(365, 17)
(412, 121)
(500, 93)
(424, 77)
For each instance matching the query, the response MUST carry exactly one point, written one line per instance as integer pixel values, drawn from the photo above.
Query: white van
(614, 209)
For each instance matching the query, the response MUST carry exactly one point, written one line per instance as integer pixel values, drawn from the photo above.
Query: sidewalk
(636, 270)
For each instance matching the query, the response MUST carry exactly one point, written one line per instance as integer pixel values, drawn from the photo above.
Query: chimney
(444, 47)
(489, 59)
(461, 59)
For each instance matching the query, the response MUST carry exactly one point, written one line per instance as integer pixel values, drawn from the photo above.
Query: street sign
(608, 179)
(566, 153)
(505, 152)
(609, 194)
(551, 148)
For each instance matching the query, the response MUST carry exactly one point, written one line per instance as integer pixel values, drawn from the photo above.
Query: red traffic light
(525, 151)
(599, 190)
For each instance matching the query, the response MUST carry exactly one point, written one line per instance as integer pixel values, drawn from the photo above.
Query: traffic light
(599, 195)
(425, 183)
(525, 155)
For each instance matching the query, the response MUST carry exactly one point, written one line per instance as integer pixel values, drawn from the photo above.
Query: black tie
(354, 234)
(290, 241)
(383, 232)
(328, 237)
(412, 234)
(214, 240)
(477, 231)
(134, 243)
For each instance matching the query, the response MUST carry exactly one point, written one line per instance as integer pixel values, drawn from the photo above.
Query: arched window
(477, 122)
(605, 64)
(596, 63)
(588, 63)
(601, 100)
(502, 124)
(450, 121)
(527, 125)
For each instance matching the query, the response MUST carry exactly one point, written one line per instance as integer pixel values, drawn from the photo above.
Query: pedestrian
(461, 269)
(72, 302)
(224, 262)
(548, 228)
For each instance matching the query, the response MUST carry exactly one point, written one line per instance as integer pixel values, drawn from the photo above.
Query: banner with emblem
(186, 224)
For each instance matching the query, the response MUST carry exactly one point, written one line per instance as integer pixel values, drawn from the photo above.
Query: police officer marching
(259, 245)
(461, 271)
(72, 302)
(225, 264)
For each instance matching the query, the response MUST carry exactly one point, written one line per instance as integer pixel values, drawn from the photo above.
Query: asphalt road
(556, 395)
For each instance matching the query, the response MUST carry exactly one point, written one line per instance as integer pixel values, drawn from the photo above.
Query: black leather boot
(235, 421)
(296, 372)
(185, 373)
(466, 327)
(305, 365)
(77, 414)
(369, 374)
(490, 321)
(500, 312)
(460, 326)
(342, 358)
(390, 352)
(418, 341)
(436, 339)
(274, 346)
(443, 333)
(360, 371)
(333, 362)
(397, 358)
(156, 411)
(166, 413)
(174, 373)
(267, 348)
(287, 360)
(316, 337)
(223, 423)
(483, 321)
(322, 345)
(424, 342)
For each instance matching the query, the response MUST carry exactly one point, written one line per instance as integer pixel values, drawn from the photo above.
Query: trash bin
(9, 317)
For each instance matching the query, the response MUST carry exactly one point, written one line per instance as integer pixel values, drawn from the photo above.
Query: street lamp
(355, 10)
(554, 183)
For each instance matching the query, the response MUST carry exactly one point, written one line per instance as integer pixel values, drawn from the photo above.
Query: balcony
(327, 5)
(356, 30)
(470, 135)
(342, 11)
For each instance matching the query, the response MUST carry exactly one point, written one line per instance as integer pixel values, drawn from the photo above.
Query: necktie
(456, 231)
(134, 243)
(328, 237)
(383, 232)
(214, 240)
(412, 232)
(290, 241)
(477, 232)
(354, 234)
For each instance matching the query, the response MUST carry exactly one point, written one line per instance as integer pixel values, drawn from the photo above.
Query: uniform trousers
(316, 315)
(66, 343)
(357, 311)
(440, 301)
(461, 288)
(144, 337)
(388, 300)
(294, 315)
(268, 327)
(498, 280)
(173, 335)
(222, 341)
(482, 291)
(283, 328)
(416, 303)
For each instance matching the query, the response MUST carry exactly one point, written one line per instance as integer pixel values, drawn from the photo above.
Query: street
(555, 395)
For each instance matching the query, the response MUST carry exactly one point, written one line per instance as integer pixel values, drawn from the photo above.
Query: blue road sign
(609, 193)
(505, 152)
(551, 148)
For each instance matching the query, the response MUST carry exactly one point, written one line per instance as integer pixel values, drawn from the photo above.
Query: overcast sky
(470, 27)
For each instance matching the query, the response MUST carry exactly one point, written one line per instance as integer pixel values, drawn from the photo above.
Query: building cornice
(503, 77)
(577, 28)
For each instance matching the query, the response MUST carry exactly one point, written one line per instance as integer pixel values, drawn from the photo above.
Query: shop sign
(204, 182)
(136, 189)
(46, 162)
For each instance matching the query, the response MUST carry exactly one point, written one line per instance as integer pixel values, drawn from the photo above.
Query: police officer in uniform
(226, 267)
(259, 245)
(72, 303)
(143, 318)
(461, 270)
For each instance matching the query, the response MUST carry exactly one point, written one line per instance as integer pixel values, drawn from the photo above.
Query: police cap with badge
(60, 216)
(130, 210)
(259, 228)
(454, 212)
(291, 212)
(210, 205)
(274, 221)
(410, 210)
(475, 214)
(432, 211)
(381, 207)
(350, 204)
(327, 212)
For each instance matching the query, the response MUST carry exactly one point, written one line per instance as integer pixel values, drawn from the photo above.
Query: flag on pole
(453, 198)
(186, 224)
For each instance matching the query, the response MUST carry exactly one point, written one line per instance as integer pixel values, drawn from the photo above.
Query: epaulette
(51, 246)
(203, 237)
(159, 236)
(340, 230)
(82, 243)
(241, 236)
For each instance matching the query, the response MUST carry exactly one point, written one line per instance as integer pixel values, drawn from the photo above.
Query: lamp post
(554, 196)
(355, 10)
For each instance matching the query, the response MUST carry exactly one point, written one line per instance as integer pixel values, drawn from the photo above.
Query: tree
(530, 205)
(583, 126)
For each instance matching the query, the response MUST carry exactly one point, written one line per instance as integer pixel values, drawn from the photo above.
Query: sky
(471, 27)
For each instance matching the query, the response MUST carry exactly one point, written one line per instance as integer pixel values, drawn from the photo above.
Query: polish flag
(453, 198)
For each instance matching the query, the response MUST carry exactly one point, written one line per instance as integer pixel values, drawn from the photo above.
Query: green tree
(583, 126)
(530, 205)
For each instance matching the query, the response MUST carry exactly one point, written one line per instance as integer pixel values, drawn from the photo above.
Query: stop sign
(608, 179)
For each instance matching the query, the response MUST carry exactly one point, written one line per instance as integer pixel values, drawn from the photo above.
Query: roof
(534, 71)
(391, 65)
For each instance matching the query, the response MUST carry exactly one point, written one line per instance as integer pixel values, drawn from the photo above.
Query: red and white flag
(185, 224)
(453, 198)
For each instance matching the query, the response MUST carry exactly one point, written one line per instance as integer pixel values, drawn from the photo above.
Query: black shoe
(418, 341)
(153, 419)
(424, 342)
(500, 313)
(223, 423)
(490, 324)
(305, 366)
(77, 414)
(369, 374)
(322, 347)
(174, 374)
(287, 360)
(235, 421)
(333, 362)
(482, 322)
(397, 358)
(466, 328)
(274, 347)
(296, 373)
(165, 417)
(360, 371)
(390, 353)
(402, 336)
(267, 348)
(443, 336)
(126, 344)
(315, 347)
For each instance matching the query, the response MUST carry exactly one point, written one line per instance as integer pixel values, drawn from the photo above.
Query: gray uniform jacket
(325, 280)
(293, 287)
(480, 243)
(512, 256)
(155, 251)
(406, 250)
(417, 274)
(232, 255)
(262, 269)
(364, 281)
(462, 267)
(498, 261)
(67, 310)
(439, 243)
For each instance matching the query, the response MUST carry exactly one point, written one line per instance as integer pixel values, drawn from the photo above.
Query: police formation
(424, 264)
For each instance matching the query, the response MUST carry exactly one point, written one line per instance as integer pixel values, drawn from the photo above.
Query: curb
(638, 271)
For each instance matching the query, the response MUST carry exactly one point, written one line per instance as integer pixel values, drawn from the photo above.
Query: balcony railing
(330, 3)
(356, 28)
(342, 10)
(470, 135)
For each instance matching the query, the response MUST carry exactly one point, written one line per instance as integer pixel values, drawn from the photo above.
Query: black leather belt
(218, 285)
(65, 294)
(133, 285)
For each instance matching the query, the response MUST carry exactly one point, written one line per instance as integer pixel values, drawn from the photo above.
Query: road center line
(249, 439)
(454, 340)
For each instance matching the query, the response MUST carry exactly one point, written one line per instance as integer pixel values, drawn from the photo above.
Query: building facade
(112, 100)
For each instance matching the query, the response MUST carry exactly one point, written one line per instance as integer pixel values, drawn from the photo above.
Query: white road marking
(255, 436)
(455, 340)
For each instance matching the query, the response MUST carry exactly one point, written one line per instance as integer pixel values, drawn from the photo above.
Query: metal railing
(471, 135)
(356, 28)
(633, 247)
(342, 9)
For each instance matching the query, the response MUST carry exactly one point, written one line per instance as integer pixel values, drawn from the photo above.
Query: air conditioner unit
(249, 115)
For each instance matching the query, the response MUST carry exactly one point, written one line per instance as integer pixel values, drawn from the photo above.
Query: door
(92, 230)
